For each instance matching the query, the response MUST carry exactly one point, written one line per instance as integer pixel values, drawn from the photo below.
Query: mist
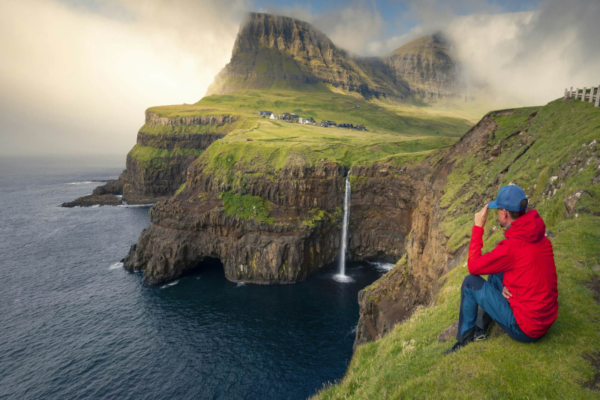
(76, 79)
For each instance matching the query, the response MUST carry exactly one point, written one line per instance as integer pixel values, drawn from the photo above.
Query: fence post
(566, 94)
(592, 94)
(583, 94)
(571, 92)
(597, 97)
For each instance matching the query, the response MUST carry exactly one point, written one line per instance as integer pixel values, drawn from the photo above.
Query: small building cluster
(294, 118)
(326, 123)
(359, 127)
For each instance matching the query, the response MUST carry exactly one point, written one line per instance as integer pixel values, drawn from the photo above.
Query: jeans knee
(472, 282)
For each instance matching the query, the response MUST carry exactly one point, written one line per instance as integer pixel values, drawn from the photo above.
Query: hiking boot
(457, 346)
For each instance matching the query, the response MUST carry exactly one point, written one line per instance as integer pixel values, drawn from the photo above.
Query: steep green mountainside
(553, 153)
(275, 52)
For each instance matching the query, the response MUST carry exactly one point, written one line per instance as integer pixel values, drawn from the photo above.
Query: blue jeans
(477, 292)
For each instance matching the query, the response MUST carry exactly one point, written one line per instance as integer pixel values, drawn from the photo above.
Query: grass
(147, 156)
(409, 363)
(399, 134)
(246, 207)
(268, 148)
(241, 123)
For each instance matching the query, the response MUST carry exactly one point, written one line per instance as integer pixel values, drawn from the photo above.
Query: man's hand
(507, 295)
(481, 216)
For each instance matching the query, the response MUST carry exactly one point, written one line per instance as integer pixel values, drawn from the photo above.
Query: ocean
(75, 325)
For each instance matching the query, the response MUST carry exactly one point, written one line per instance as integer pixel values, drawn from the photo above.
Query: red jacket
(527, 260)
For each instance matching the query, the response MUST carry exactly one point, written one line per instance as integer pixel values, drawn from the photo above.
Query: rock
(149, 181)
(496, 150)
(448, 333)
(194, 225)
(576, 161)
(111, 187)
(572, 202)
(424, 66)
(94, 200)
(396, 295)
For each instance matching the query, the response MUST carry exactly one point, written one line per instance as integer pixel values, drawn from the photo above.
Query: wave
(170, 284)
(382, 266)
(81, 183)
(241, 284)
(135, 205)
(116, 265)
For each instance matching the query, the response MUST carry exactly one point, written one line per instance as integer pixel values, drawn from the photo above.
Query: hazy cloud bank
(76, 79)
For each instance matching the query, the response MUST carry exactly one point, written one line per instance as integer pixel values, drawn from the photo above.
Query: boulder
(572, 203)
(448, 333)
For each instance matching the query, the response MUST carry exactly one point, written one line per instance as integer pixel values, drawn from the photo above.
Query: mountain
(426, 65)
(274, 52)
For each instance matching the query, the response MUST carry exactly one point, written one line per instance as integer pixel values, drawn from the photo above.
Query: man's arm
(496, 261)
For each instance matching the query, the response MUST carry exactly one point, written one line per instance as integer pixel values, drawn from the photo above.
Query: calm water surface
(74, 324)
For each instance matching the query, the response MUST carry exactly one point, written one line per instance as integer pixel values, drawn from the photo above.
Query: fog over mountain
(77, 78)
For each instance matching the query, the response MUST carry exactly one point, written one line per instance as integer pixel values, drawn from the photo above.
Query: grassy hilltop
(268, 145)
(561, 156)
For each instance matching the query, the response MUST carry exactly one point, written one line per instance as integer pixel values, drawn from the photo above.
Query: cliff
(156, 167)
(279, 229)
(552, 152)
(426, 66)
(275, 52)
(166, 146)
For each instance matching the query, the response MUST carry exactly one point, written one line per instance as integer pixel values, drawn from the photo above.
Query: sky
(77, 75)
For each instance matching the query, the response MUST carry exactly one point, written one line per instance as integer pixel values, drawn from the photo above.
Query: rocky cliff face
(381, 212)
(275, 51)
(299, 233)
(415, 279)
(157, 165)
(426, 66)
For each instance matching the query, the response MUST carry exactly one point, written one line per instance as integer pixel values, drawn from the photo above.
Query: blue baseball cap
(510, 198)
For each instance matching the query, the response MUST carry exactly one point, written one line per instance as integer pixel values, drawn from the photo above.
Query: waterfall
(341, 276)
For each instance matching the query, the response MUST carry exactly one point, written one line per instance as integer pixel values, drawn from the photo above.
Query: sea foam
(170, 284)
(116, 265)
(81, 183)
(382, 266)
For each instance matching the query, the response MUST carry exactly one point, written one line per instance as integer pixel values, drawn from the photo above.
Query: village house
(274, 116)
(308, 120)
(265, 113)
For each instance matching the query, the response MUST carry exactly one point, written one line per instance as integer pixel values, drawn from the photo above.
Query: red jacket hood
(529, 227)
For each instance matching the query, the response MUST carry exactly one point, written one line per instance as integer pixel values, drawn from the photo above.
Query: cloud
(530, 57)
(77, 79)
(519, 58)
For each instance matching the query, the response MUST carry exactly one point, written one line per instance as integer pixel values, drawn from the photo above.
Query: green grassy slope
(324, 104)
(262, 145)
(409, 362)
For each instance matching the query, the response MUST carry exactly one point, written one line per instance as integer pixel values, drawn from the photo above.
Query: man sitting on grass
(520, 293)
